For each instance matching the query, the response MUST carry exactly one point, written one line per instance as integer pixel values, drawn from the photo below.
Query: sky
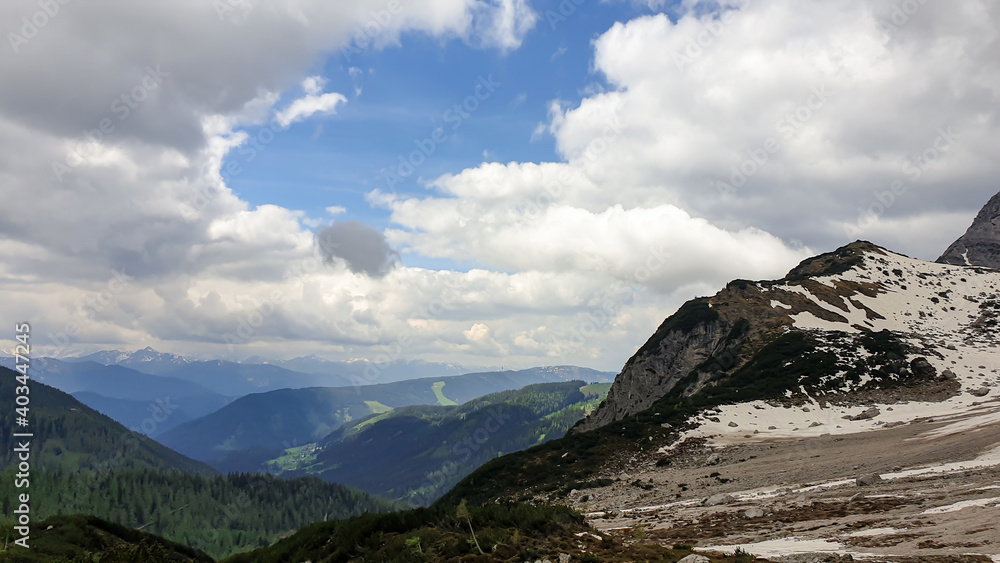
(482, 182)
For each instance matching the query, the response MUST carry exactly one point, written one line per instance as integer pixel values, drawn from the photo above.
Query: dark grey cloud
(363, 248)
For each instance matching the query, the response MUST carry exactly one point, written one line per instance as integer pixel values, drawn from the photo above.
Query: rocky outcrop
(980, 245)
(709, 338)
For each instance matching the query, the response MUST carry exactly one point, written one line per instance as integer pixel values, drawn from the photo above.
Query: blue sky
(405, 90)
(524, 256)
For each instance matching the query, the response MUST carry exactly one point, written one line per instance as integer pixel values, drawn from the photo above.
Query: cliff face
(709, 338)
(980, 245)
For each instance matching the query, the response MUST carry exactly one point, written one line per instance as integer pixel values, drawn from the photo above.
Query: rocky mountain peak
(836, 300)
(980, 245)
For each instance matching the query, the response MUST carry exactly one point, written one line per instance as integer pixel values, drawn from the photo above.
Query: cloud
(505, 23)
(576, 260)
(312, 103)
(363, 249)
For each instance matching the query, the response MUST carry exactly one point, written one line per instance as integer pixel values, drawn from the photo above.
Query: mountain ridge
(980, 245)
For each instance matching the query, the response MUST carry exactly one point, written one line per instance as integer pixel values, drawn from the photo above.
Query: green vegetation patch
(438, 389)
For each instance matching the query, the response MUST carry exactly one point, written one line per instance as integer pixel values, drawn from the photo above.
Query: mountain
(418, 453)
(110, 381)
(69, 436)
(88, 538)
(260, 426)
(852, 397)
(509, 532)
(365, 371)
(834, 302)
(235, 380)
(152, 362)
(83, 462)
(980, 245)
(150, 404)
(146, 360)
(153, 417)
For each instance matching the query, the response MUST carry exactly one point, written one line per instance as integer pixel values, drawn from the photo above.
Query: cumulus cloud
(363, 249)
(505, 23)
(574, 261)
(312, 103)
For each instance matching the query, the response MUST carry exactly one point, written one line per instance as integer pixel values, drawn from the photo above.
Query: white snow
(873, 532)
(962, 506)
(778, 548)
(907, 287)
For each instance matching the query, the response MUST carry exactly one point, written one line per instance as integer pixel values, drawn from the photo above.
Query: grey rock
(867, 415)
(720, 499)
(980, 245)
(712, 460)
(565, 558)
(869, 480)
(734, 425)
(923, 369)
(982, 392)
(754, 512)
(815, 558)
(694, 558)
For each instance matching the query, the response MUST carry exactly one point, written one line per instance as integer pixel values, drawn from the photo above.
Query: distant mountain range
(151, 404)
(84, 462)
(260, 426)
(70, 436)
(153, 362)
(418, 453)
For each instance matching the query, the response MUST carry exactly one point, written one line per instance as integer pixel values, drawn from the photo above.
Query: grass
(438, 389)
(377, 407)
(295, 458)
(596, 390)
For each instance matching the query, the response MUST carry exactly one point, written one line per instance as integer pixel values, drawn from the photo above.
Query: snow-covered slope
(946, 314)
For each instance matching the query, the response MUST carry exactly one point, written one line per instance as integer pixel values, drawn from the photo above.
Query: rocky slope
(980, 245)
(835, 299)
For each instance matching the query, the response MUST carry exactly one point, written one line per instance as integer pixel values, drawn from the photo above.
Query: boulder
(869, 480)
(694, 558)
(867, 415)
(719, 499)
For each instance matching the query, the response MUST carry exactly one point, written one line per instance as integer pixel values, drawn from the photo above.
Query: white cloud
(577, 261)
(312, 103)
